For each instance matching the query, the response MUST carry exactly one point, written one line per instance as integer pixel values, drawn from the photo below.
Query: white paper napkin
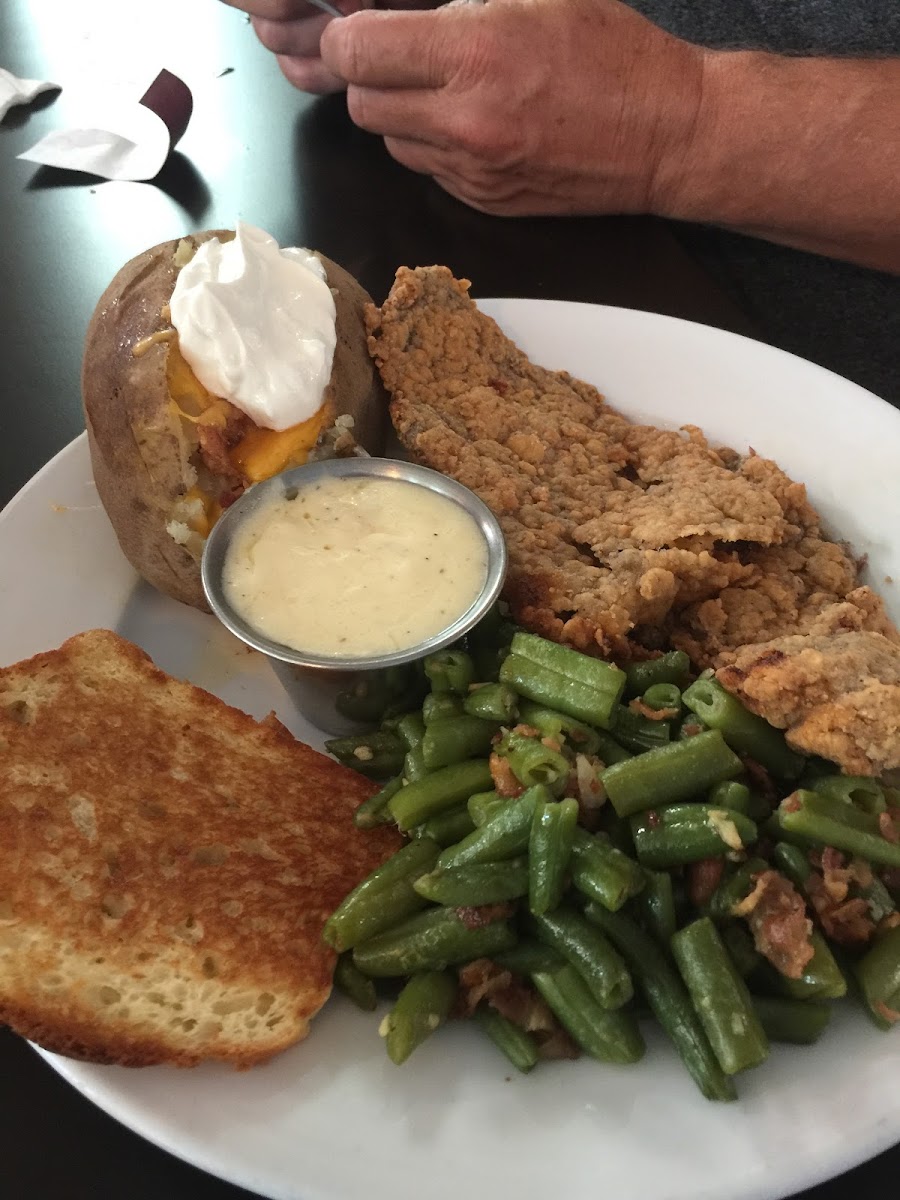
(20, 91)
(118, 136)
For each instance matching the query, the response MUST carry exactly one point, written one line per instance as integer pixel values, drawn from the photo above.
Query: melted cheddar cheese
(260, 454)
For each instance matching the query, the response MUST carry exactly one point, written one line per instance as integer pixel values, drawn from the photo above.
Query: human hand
(291, 29)
(525, 106)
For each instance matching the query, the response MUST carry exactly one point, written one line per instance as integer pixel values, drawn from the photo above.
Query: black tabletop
(255, 150)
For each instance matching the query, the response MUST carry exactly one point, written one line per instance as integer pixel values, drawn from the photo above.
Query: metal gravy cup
(343, 695)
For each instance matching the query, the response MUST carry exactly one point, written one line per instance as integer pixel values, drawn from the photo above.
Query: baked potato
(167, 455)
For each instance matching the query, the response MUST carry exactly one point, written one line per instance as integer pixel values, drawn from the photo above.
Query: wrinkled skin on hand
(517, 106)
(525, 106)
(292, 29)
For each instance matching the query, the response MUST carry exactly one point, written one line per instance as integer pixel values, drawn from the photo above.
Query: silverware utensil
(327, 7)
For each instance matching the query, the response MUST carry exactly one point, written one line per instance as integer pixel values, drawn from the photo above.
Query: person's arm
(802, 151)
(583, 106)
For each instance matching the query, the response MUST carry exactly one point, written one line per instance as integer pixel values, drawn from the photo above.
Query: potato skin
(139, 458)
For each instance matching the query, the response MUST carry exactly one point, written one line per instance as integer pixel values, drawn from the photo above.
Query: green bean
(448, 827)
(602, 872)
(686, 833)
(549, 852)
(662, 696)
(735, 888)
(389, 724)
(687, 727)
(801, 1022)
(384, 897)
(561, 678)
(672, 667)
(355, 986)
(670, 774)
(453, 739)
(740, 947)
(835, 823)
(481, 805)
(503, 835)
(411, 729)
(450, 671)
(430, 941)
(877, 897)
(532, 762)
(615, 828)
(563, 728)
(475, 883)
(865, 793)
(422, 1006)
(638, 733)
(609, 751)
(374, 811)
(774, 829)
(377, 754)
(414, 767)
(720, 997)
(436, 793)
(878, 976)
(792, 862)
(528, 956)
(437, 706)
(656, 905)
(743, 731)
(730, 794)
(821, 977)
(554, 689)
(493, 702)
(837, 810)
(585, 948)
(609, 1036)
(668, 999)
(518, 1046)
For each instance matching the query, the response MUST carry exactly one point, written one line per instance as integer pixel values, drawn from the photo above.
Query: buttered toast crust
(166, 864)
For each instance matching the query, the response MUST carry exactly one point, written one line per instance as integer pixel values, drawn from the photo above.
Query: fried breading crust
(836, 694)
(624, 539)
(608, 524)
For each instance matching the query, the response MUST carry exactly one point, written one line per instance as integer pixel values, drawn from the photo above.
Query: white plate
(333, 1119)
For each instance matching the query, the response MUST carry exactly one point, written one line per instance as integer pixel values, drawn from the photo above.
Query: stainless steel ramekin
(343, 695)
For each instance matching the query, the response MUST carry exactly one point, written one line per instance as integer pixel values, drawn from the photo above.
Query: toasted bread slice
(166, 864)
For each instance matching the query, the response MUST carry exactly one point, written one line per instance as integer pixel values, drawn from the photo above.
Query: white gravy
(355, 567)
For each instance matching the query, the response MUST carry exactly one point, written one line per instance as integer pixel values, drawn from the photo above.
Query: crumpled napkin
(118, 137)
(20, 91)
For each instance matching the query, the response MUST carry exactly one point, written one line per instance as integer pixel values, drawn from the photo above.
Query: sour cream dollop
(256, 324)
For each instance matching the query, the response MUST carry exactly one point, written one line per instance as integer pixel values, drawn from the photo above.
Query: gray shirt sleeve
(844, 317)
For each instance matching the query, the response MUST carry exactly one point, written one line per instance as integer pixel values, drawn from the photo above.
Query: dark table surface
(257, 150)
